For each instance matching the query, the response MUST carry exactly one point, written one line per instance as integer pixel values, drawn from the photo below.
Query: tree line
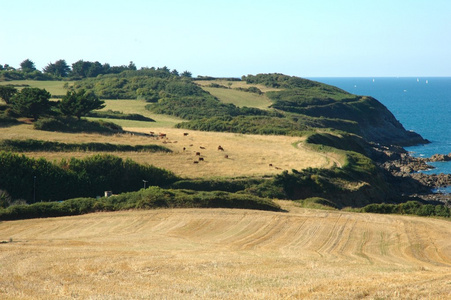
(60, 69)
(35, 102)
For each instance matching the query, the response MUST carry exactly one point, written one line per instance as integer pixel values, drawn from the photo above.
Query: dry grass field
(248, 155)
(226, 254)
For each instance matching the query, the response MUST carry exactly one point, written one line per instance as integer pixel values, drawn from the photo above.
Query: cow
(201, 159)
(226, 156)
(220, 148)
(197, 153)
(162, 135)
(185, 133)
(202, 147)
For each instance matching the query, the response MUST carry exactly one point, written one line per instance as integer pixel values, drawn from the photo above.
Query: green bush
(109, 114)
(48, 146)
(409, 208)
(37, 180)
(68, 124)
(150, 198)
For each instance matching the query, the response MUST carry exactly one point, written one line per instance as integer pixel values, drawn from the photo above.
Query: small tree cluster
(79, 103)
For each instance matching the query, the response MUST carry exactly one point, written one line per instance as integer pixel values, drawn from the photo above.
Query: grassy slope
(227, 254)
(53, 87)
(239, 98)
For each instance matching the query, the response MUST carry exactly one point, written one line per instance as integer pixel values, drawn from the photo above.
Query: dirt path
(226, 254)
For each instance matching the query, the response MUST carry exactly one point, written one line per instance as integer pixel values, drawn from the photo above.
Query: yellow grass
(226, 254)
(235, 84)
(248, 155)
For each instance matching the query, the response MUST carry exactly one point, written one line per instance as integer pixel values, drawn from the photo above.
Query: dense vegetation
(152, 197)
(69, 124)
(39, 180)
(48, 146)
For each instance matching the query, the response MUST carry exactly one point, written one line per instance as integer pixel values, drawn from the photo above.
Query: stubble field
(226, 254)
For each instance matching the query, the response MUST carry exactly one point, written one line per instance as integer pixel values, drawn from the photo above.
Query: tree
(59, 68)
(187, 74)
(132, 66)
(79, 103)
(6, 92)
(27, 66)
(31, 102)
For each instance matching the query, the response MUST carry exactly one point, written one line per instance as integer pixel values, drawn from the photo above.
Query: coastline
(406, 173)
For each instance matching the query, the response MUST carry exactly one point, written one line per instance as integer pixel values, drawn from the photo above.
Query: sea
(421, 104)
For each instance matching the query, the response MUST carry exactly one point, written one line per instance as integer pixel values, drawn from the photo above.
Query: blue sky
(321, 38)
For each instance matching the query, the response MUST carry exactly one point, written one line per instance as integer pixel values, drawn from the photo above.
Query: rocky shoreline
(405, 172)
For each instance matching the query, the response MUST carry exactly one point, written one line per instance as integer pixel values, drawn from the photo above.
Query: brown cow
(201, 159)
(226, 156)
(197, 153)
(202, 147)
(185, 133)
(220, 148)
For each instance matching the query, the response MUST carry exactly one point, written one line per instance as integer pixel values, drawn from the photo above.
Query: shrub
(68, 124)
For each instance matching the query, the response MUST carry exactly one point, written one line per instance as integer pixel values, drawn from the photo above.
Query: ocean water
(421, 104)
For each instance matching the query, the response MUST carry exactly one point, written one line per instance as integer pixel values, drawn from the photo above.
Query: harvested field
(226, 254)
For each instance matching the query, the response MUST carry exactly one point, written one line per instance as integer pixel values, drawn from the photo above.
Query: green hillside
(326, 117)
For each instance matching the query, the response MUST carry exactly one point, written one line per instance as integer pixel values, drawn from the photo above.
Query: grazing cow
(201, 159)
(195, 162)
(202, 147)
(185, 133)
(220, 148)
(270, 165)
(226, 156)
(277, 168)
(162, 135)
(197, 153)
(184, 148)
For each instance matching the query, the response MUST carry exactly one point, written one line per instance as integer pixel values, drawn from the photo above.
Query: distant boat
(427, 81)
(418, 80)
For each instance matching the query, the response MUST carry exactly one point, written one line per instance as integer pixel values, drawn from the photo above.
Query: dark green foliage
(318, 202)
(276, 80)
(333, 183)
(110, 114)
(6, 92)
(31, 102)
(251, 89)
(344, 141)
(27, 66)
(59, 69)
(152, 197)
(48, 146)
(68, 124)
(6, 120)
(246, 124)
(75, 177)
(148, 84)
(409, 208)
(79, 103)
(226, 185)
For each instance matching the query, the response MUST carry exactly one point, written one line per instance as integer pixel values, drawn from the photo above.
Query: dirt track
(233, 254)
